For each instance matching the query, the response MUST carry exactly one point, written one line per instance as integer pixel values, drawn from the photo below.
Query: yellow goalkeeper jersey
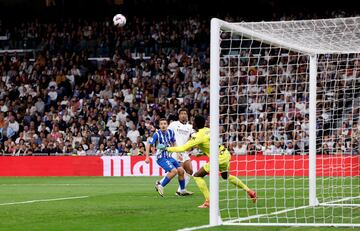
(201, 140)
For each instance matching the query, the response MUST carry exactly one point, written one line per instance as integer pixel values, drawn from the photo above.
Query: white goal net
(288, 108)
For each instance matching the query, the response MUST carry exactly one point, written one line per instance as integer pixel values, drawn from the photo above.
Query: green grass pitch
(113, 203)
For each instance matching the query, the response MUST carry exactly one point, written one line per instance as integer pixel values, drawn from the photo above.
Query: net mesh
(340, 35)
(264, 120)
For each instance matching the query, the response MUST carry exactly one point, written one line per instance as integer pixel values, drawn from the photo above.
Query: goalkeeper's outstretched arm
(190, 144)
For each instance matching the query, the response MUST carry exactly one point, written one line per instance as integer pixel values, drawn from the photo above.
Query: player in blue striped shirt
(165, 137)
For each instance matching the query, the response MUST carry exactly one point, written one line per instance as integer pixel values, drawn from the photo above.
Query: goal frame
(214, 212)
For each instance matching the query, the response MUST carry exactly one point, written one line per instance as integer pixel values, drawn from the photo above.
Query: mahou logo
(246, 165)
(136, 166)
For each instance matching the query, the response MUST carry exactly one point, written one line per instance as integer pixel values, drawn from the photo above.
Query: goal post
(312, 130)
(285, 100)
(214, 218)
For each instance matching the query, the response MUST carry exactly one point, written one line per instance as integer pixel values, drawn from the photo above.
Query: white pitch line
(267, 214)
(341, 200)
(44, 200)
(196, 228)
(340, 205)
(286, 210)
(236, 221)
(64, 184)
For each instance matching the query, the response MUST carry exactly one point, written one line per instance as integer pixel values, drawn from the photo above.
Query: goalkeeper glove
(161, 147)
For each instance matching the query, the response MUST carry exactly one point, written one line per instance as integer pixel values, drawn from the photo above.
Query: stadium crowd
(62, 102)
(266, 109)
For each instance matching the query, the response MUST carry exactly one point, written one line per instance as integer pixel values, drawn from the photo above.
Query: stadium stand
(89, 88)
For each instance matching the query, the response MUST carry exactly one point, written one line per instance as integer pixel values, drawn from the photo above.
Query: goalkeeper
(201, 139)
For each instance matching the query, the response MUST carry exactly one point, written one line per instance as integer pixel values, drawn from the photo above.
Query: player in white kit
(183, 131)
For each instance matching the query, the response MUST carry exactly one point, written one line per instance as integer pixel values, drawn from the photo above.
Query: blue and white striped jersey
(167, 138)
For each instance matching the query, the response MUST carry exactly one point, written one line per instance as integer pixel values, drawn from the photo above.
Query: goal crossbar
(241, 28)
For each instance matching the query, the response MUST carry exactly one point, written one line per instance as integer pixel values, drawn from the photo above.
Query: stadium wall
(250, 165)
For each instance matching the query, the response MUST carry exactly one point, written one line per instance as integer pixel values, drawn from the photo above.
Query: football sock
(236, 181)
(200, 182)
(182, 184)
(187, 180)
(165, 181)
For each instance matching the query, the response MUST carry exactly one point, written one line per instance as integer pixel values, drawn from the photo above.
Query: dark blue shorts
(168, 163)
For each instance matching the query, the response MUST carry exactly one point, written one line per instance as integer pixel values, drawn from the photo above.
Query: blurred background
(253, 10)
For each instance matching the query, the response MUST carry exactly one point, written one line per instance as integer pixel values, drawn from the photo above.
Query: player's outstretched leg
(200, 182)
(159, 186)
(238, 183)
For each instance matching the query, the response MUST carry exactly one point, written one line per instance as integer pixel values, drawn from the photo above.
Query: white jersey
(183, 133)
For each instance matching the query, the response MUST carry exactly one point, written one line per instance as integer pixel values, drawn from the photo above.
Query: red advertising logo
(247, 165)
(136, 166)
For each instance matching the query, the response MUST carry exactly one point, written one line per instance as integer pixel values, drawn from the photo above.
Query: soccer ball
(119, 20)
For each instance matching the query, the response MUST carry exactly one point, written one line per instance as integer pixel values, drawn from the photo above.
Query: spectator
(40, 105)
(133, 134)
(239, 149)
(80, 151)
(113, 124)
(13, 124)
(121, 116)
(101, 151)
(3, 106)
(112, 150)
(164, 90)
(290, 149)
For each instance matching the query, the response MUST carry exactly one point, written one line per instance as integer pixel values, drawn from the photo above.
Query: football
(119, 20)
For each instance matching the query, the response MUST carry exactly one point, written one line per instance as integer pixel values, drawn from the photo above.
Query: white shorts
(181, 157)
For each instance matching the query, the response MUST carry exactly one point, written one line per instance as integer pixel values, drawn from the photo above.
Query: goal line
(330, 203)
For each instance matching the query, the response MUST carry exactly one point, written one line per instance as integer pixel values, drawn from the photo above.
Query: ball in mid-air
(119, 20)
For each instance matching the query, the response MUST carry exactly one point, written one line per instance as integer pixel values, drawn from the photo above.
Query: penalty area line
(44, 200)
